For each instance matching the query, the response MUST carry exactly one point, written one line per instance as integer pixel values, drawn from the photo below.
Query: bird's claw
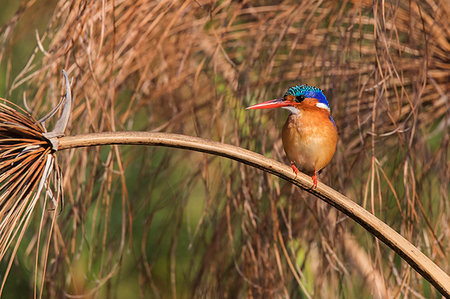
(294, 168)
(314, 178)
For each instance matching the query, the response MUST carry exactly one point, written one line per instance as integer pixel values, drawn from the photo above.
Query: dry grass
(190, 225)
(26, 163)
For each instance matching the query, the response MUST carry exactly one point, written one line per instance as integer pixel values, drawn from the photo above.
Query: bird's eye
(299, 98)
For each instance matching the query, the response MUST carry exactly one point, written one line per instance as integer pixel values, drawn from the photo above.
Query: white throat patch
(292, 109)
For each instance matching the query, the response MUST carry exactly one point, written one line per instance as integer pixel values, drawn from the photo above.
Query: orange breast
(309, 139)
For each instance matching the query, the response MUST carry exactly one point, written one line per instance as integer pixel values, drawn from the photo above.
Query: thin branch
(414, 257)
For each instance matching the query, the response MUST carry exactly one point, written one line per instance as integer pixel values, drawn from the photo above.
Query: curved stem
(413, 256)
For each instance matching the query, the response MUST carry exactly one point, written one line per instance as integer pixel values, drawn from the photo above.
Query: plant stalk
(407, 251)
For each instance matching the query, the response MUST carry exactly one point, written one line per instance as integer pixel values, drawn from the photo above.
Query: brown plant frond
(26, 163)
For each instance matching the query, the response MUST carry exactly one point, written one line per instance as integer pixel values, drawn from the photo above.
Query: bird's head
(297, 98)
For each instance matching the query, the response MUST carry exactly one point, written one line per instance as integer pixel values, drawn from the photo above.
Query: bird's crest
(308, 92)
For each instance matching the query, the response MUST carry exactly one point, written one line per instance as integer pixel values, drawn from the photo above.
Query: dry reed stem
(376, 227)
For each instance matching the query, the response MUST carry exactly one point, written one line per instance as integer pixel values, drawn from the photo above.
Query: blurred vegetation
(157, 222)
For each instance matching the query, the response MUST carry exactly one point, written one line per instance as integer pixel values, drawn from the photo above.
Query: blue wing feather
(332, 120)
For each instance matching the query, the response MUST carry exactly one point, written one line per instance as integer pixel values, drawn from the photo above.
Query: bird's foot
(294, 168)
(314, 177)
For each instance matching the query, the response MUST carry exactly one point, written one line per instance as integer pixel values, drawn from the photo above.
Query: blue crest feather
(308, 92)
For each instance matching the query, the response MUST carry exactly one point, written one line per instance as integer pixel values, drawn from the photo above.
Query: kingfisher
(309, 134)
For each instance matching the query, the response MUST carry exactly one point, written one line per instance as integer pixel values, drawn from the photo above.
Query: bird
(309, 135)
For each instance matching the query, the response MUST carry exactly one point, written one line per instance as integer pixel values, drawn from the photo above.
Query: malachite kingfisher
(309, 134)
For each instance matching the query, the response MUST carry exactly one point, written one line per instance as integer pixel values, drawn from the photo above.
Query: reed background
(157, 222)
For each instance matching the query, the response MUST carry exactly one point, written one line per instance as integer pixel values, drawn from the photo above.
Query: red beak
(270, 104)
